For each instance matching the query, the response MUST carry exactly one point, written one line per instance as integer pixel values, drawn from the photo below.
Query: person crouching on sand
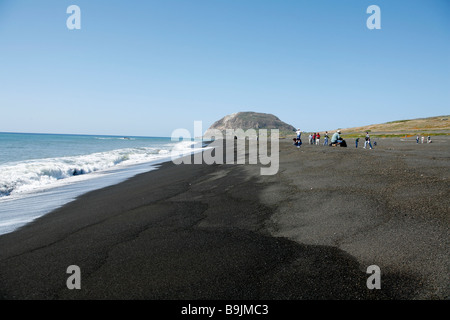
(337, 140)
(297, 142)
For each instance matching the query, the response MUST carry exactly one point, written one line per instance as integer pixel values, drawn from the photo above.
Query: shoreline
(225, 232)
(20, 209)
(41, 202)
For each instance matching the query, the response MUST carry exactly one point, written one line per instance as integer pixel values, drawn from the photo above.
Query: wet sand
(226, 232)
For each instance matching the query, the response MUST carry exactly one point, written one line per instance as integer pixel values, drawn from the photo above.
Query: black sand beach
(226, 232)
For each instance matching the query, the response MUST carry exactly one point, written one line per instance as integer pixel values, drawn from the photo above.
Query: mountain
(252, 120)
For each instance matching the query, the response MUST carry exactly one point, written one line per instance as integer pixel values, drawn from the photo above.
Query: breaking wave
(26, 176)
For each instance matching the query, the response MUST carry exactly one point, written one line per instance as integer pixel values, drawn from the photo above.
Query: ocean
(41, 172)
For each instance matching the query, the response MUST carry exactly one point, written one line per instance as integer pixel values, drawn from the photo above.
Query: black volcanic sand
(226, 232)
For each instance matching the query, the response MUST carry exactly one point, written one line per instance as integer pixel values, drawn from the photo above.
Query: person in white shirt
(367, 142)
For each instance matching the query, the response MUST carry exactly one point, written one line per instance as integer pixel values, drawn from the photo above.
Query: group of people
(314, 139)
(336, 139)
(423, 138)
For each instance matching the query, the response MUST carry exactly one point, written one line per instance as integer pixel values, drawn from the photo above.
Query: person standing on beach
(310, 138)
(423, 138)
(356, 142)
(428, 139)
(318, 139)
(417, 139)
(314, 138)
(367, 142)
(299, 134)
(325, 142)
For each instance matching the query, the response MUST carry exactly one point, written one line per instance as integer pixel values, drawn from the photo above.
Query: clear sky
(150, 67)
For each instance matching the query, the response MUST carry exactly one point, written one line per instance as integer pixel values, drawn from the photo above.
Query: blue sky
(150, 67)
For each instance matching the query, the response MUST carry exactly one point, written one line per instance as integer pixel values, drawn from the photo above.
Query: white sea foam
(35, 187)
(31, 175)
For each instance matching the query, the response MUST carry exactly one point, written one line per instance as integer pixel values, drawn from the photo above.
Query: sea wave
(115, 138)
(26, 176)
